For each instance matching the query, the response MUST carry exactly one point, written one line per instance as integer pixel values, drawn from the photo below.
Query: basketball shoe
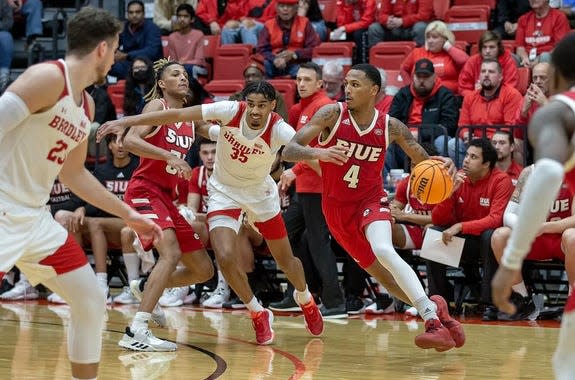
(126, 297)
(22, 290)
(176, 297)
(144, 340)
(454, 327)
(219, 296)
(55, 298)
(312, 316)
(262, 323)
(435, 336)
(158, 315)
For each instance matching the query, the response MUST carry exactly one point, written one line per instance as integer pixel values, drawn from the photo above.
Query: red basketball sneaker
(262, 322)
(312, 316)
(435, 336)
(454, 327)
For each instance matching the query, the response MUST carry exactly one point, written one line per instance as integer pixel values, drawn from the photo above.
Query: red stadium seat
(342, 52)
(287, 87)
(222, 89)
(490, 3)
(230, 61)
(468, 22)
(116, 92)
(395, 79)
(165, 46)
(523, 80)
(390, 55)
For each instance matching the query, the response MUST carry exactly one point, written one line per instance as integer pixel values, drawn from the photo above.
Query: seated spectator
(353, 19)
(216, 14)
(507, 12)
(186, 45)
(439, 48)
(104, 111)
(332, 74)
(551, 243)
(473, 211)
(504, 144)
(494, 104)
(311, 10)
(490, 47)
(538, 31)
(246, 30)
(140, 37)
(254, 72)
(6, 43)
(32, 11)
(286, 41)
(165, 15)
(383, 99)
(537, 93)
(401, 21)
(424, 101)
(140, 81)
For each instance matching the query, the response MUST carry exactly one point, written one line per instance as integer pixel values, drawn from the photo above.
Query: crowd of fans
(465, 106)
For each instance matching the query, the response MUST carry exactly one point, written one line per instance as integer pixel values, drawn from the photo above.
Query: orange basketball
(430, 183)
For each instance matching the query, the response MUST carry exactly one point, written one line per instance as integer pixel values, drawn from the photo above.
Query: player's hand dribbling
(181, 167)
(334, 154)
(501, 285)
(115, 127)
(448, 164)
(144, 227)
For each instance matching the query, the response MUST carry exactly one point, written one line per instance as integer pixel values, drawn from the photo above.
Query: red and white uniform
(152, 189)
(353, 191)
(413, 206)
(31, 157)
(198, 184)
(241, 179)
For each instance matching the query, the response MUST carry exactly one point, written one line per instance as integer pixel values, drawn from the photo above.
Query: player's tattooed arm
(400, 134)
(321, 122)
(521, 183)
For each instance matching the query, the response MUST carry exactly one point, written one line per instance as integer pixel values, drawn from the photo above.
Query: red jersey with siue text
(561, 207)
(176, 138)
(360, 178)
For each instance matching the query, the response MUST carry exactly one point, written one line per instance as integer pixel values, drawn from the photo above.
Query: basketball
(430, 183)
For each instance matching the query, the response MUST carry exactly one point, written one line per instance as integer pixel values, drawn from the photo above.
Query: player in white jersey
(46, 115)
(248, 142)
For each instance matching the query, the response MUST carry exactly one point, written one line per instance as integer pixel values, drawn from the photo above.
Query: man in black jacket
(424, 101)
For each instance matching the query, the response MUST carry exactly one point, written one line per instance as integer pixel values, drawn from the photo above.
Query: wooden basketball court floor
(216, 344)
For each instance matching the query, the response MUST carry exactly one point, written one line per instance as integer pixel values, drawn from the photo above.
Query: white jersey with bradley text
(32, 153)
(244, 156)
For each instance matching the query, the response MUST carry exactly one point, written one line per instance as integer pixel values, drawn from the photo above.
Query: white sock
(254, 306)
(426, 308)
(304, 297)
(520, 288)
(140, 320)
(102, 278)
(132, 262)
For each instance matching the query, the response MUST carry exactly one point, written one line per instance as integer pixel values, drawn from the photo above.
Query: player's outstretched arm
(322, 121)
(82, 183)
(118, 127)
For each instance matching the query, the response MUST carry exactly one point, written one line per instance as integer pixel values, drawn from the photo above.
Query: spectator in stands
(139, 82)
(247, 29)
(424, 101)
(473, 211)
(490, 47)
(496, 103)
(538, 31)
(401, 21)
(537, 93)
(439, 48)
(383, 100)
(216, 14)
(32, 11)
(353, 19)
(332, 74)
(311, 10)
(140, 37)
(104, 111)
(304, 211)
(254, 72)
(186, 45)
(165, 15)
(507, 12)
(6, 43)
(548, 245)
(504, 144)
(286, 40)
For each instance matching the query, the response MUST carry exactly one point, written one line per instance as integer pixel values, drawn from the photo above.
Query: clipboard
(434, 249)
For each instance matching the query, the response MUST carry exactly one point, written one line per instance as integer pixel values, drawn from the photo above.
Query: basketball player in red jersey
(248, 141)
(551, 132)
(353, 137)
(43, 134)
(152, 191)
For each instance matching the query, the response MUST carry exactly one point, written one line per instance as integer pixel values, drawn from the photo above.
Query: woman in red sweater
(439, 48)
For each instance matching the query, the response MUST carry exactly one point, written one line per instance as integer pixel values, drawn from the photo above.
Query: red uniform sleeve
(502, 190)
(401, 191)
(193, 186)
(424, 13)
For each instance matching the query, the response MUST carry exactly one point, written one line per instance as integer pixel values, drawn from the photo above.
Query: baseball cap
(424, 66)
